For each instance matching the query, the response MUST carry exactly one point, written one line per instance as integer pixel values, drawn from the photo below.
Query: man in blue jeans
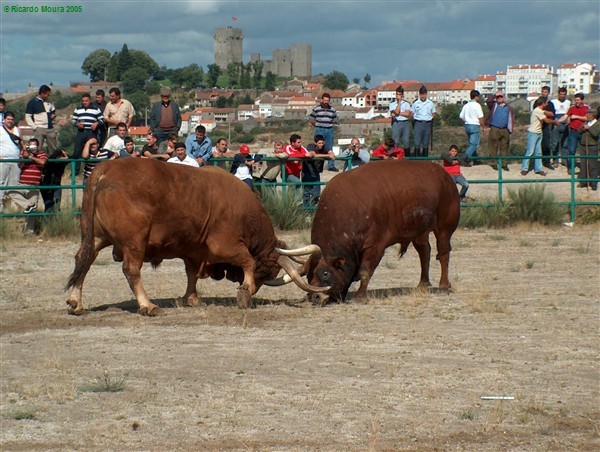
(472, 116)
(323, 117)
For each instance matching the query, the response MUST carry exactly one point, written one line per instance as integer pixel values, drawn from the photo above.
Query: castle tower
(301, 57)
(228, 46)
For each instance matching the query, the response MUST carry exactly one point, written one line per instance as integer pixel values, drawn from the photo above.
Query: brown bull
(366, 210)
(149, 211)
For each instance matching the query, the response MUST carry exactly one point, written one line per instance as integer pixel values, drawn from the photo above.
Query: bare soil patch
(404, 372)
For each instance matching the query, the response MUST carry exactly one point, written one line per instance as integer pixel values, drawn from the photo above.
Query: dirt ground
(407, 371)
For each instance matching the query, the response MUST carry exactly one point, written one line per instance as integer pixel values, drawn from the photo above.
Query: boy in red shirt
(294, 150)
(452, 167)
(577, 117)
(388, 150)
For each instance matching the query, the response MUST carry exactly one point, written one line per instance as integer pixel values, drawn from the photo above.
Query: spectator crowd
(557, 130)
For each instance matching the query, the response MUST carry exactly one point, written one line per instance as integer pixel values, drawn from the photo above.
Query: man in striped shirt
(88, 119)
(92, 150)
(31, 174)
(323, 117)
(39, 114)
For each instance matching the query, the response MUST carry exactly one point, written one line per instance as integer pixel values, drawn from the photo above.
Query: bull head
(286, 261)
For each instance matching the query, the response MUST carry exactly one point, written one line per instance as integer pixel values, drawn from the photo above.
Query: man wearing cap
(500, 120)
(165, 117)
(181, 157)
(472, 116)
(423, 111)
(400, 114)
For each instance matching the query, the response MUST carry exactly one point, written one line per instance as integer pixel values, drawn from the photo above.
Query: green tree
(124, 61)
(257, 69)
(234, 73)
(356, 80)
(270, 80)
(66, 137)
(221, 102)
(336, 80)
(140, 102)
(112, 71)
(191, 76)
(95, 64)
(134, 79)
(245, 79)
(141, 59)
(367, 78)
(449, 114)
(213, 74)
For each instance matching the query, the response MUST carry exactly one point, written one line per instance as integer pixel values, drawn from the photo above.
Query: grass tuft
(24, 415)
(284, 209)
(61, 225)
(527, 204)
(107, 383)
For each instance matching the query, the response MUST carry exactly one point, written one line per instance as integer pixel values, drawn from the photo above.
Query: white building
(578, 77)
(527, 78)
(486, 85)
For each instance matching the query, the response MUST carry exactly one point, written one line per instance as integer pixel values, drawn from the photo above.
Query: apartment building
(578, 77)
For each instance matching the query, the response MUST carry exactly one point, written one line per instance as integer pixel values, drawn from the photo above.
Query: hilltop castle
(293, 62)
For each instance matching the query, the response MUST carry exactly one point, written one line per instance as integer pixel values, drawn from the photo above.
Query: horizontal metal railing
(73, 187)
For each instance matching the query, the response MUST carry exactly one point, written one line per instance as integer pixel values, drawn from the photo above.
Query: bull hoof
(319, 298)
(152, 311)
(424, 285)
(75, 308)
(244, 299)
(359, 300)
(194, 301)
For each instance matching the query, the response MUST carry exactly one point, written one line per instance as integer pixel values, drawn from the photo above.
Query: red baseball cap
(244, 149)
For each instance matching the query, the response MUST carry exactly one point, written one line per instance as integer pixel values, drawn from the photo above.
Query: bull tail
(403, 248)
(85, 256)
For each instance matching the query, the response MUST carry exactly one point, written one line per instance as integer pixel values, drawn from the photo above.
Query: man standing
(199, 146)
(87, 118)
(10, 148)
(560, 131)
(423, 112)
(323, 117)
(118, 110)
(577, 116)
(400, 114)
(547, 128)
(2, 107)
(501, 121)
(39, 114)
(590, 136)
(102, 130)
(165, 117)
(472, 116)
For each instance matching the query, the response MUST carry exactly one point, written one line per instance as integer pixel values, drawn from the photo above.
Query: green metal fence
(71, 189)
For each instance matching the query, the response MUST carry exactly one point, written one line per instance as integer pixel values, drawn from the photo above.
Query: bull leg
(82, 267)
(191, 295)
(132, 265)
(369, 262)
(423, 247)
(443, 255)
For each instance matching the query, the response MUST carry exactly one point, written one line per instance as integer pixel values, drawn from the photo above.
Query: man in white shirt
(472, 116)
(560, 133)
(182, 158)
(10, 148)
(117, 142)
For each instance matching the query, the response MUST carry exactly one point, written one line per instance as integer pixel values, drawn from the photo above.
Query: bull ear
(340, 262)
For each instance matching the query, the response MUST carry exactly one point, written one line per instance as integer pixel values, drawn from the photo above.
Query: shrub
(587, 214)
(284, 207)
(534, 205)
(528, 204)
(61, 225)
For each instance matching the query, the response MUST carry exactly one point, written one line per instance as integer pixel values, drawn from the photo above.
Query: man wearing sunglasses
(501, 121)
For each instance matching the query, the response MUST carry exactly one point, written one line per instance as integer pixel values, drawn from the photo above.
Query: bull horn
(308, 249)
(281, 281)
(287, 265)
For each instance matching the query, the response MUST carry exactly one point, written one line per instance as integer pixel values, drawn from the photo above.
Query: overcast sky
(390, 40)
